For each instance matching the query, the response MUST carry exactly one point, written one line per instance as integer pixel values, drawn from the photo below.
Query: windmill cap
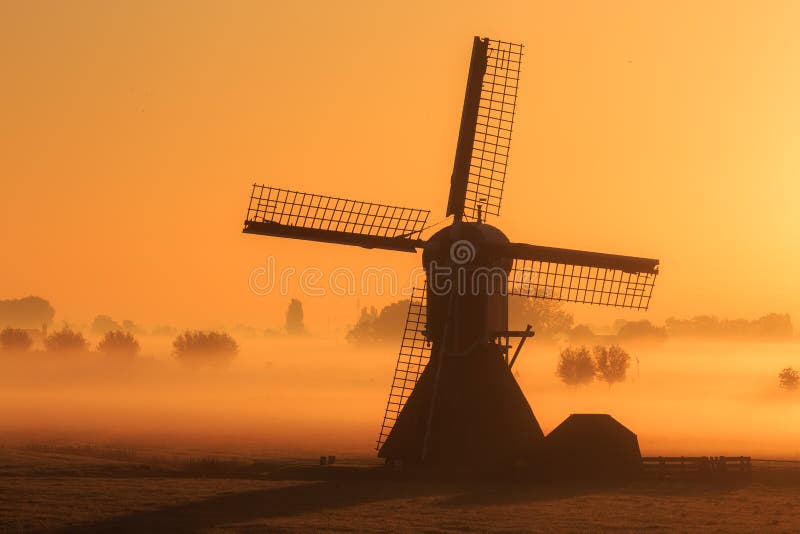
(466, 243)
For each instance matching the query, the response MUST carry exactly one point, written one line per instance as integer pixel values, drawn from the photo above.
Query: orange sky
(130, 133)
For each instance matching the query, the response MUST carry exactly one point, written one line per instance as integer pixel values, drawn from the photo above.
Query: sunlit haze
(171, 362)
(131, 134)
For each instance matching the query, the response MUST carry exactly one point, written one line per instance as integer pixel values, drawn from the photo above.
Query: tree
(643, 329)
(386, 326)
(28, 312)
(103, 324)
(66, 341)
(132, 328)
(773, 326)
(576, 366)
(15, 340)
(789, 379)
(581, 332)
(164, 330)
(547, 317)
(294, 318)
(118, 343)
(204, 347)
(612, 363)
(698, 326)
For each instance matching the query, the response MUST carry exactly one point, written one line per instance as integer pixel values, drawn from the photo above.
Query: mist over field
(218, 220)
(307, 396)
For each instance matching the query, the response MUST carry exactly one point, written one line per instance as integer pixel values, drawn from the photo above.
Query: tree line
(551, 321)
(190, 347)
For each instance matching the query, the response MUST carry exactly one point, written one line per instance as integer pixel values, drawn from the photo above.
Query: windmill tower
(454, 402)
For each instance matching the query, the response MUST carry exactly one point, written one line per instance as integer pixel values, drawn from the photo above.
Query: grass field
(232, 449)
(96, 490)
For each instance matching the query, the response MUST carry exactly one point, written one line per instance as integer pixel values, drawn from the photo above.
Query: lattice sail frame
(320, 212)
(414, 355)
(581, 284)
(495, 121)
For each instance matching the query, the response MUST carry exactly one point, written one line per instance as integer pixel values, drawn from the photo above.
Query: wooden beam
(401, 244)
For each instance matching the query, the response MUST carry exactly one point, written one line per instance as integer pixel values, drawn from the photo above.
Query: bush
(15, 340)
(789, 379)
(204, 347)
(576, 366)
(65, 341)
(118, 343)
(612, 363)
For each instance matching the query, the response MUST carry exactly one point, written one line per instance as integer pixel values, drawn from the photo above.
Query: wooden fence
(700, 467)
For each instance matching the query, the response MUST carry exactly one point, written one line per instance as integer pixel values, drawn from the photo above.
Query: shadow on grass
(228, 509)
(317, 489)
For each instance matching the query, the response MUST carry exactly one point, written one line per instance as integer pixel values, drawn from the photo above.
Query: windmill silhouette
(454, 401)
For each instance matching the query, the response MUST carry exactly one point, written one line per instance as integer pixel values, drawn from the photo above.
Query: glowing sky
(131, 131)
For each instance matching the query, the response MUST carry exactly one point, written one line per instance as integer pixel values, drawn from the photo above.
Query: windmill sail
(484, 137)
(579, 276)
(415, 352)
(285, 213)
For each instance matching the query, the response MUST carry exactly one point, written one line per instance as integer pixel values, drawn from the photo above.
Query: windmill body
(466, 411)
(467, 285)
(454, 404)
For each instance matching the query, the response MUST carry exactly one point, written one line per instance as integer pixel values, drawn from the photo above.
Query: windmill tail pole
(519, 347)
(426, 439)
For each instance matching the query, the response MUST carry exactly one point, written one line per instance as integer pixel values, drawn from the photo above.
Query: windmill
(454, 401)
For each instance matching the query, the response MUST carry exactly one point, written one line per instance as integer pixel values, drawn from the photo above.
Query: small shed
(592, 446)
